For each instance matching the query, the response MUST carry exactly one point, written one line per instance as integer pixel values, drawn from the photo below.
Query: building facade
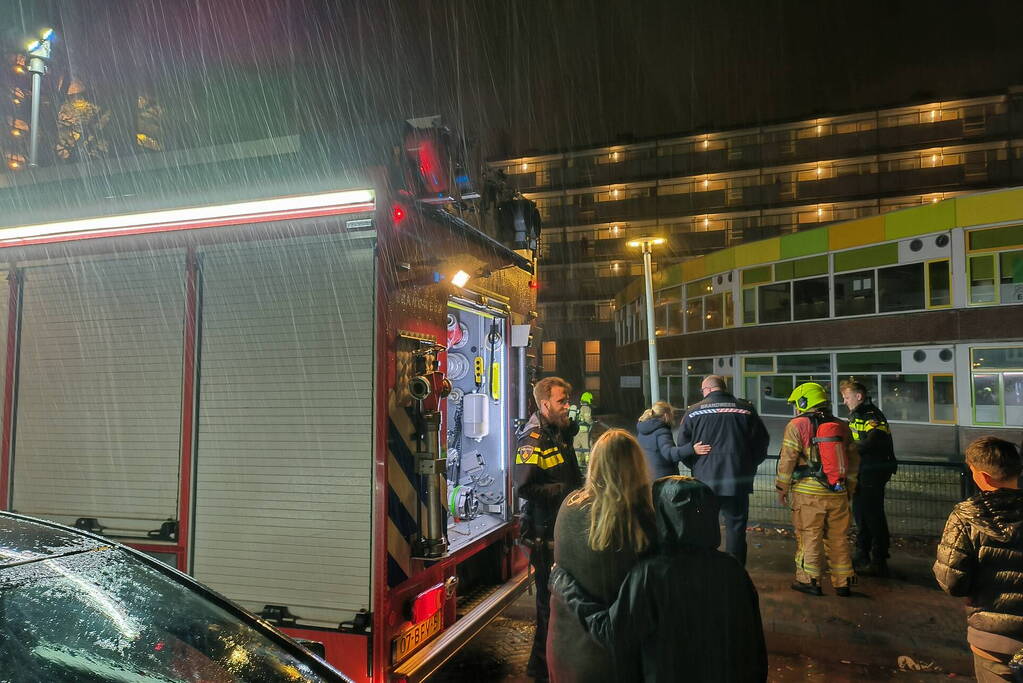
(924, 306)
(709, 191)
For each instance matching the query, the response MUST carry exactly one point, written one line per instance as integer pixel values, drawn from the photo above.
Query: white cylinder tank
(475, 416)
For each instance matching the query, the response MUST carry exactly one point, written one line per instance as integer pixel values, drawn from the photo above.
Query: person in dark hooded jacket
(691, 612)
(981, 557)
(654, 431)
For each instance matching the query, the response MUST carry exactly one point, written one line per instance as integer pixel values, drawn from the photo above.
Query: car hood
(25, 540)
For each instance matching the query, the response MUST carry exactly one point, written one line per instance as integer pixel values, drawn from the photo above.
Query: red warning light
(533, 284)
(398, 213)
(427, 603)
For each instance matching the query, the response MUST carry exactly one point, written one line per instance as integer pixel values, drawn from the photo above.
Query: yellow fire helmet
(808, 396)
(587, 397)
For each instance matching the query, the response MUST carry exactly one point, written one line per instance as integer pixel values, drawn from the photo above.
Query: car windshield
(104, 616)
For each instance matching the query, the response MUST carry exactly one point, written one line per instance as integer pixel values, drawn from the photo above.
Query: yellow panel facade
(989, 207)
(752, 253)
(719, 261)
(694, 269)
(856, 233)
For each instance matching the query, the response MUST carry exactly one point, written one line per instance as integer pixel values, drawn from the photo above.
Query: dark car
(78, 608)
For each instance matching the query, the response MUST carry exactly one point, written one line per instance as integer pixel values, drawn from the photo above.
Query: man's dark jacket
(691, 611)
(981, 557)
(662, 455)
(873, 439)
(546, 471)
(738, 441)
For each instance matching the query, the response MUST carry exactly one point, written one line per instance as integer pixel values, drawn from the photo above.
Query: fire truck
(290, 368)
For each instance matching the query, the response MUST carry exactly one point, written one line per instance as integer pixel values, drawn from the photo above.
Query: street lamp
(38, 52)
(646, 243)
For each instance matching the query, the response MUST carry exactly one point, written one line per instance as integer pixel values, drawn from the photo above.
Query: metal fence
(918, 499)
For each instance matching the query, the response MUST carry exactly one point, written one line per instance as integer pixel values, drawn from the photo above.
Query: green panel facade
(804, 243)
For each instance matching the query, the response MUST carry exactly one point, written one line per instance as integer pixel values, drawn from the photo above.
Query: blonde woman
(654, 429)
(601, 531)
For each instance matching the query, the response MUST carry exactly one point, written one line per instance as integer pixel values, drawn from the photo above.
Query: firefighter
(546, 471)
(820, 512)
(873, 439)
(583, 417)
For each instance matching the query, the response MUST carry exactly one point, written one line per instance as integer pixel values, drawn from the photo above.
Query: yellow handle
(495, 381)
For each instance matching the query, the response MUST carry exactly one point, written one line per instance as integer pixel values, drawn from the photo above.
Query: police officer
(546, 471)
(820, 514)
(723, 442)
(873, 439)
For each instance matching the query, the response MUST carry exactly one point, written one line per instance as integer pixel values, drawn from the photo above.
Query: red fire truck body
(289, 395)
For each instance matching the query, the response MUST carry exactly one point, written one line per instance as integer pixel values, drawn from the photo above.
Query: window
(549, 351)
(901, 288)
(808, 363)
(775, 303)
(982, 279)
(592, 383)
(712, 312)
(943, 399)
(811, 298)
(904, 397)
(749, 306)
(592, 349)
(854, 293)
(755, 364)
(1011, 276)
(939, 285)
(869, 361)
(694, 315)
(774, 393)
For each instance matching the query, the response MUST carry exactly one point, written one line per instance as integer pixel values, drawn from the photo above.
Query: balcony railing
(690, 159)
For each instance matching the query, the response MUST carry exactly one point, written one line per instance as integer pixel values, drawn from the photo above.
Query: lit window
(592, 352)
(549, 351)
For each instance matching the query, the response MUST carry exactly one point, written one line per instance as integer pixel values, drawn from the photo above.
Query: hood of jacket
(532, 424)
(650, 426)
(686, 511)
(998, 514)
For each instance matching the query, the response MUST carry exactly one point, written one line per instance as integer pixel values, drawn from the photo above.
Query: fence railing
(918, 498)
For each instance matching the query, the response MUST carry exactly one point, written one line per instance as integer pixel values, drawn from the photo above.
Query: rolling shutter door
(99, 391)
(284, 457)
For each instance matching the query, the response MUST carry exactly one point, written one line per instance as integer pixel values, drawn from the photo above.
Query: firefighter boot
(812, 588)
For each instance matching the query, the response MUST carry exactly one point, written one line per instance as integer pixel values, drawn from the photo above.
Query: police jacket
(794, 459)
(981, 557)
(737, 437)
(873, 439)
(662, 455)
(690, 612)
(546, 471)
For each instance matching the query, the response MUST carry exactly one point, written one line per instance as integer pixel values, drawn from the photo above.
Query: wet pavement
(901, 628)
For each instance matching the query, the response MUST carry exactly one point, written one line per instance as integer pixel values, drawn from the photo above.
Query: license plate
(410, 640)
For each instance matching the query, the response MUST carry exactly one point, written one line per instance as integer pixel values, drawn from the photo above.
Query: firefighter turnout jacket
(873, 439)
(546, 471)
(794, 460)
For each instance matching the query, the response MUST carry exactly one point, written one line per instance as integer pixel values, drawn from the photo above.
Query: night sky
(520, 76)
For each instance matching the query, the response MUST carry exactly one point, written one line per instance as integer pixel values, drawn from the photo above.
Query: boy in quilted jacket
(980, 557)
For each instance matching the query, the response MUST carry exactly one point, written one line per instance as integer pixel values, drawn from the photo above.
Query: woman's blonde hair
(618, 488)
(661, 409)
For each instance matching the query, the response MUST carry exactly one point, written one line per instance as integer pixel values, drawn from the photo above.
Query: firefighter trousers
(822, 528)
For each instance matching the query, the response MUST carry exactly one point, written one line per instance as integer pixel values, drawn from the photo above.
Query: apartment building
(712, 190)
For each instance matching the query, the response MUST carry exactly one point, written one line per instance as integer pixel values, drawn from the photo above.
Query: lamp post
(647, 243)
(38, 52)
